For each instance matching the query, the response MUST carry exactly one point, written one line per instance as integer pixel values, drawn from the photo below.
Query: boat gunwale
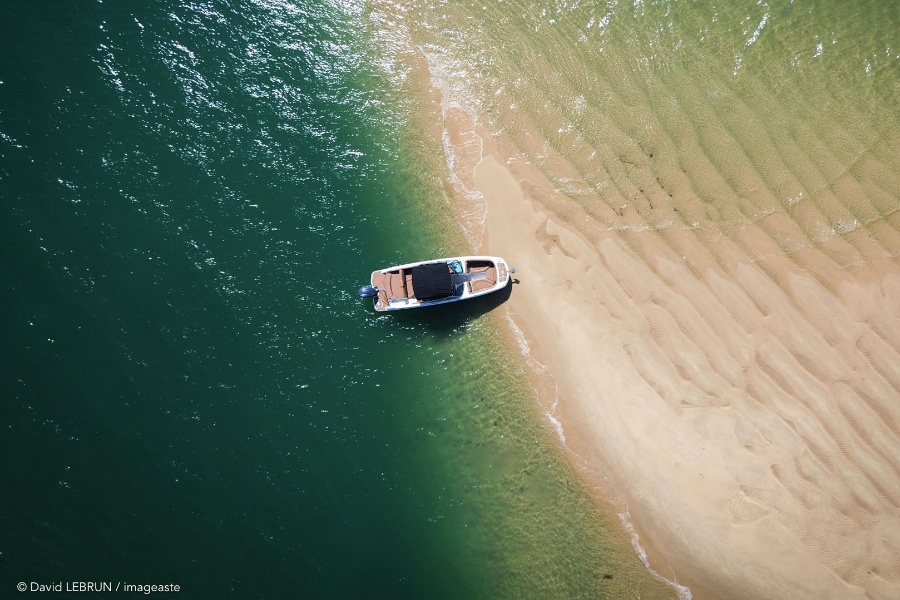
(466, 295)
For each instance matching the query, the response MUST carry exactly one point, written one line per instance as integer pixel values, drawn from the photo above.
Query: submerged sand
(748, 413)
(704, 210)
(736, 384)
(751, 429)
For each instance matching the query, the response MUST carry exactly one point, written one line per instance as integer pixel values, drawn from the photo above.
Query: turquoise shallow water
(192, 393)
(708, 140)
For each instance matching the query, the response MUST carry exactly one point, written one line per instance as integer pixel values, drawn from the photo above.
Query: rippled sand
(704, 207)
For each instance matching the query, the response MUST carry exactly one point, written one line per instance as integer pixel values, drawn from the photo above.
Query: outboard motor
(367, 291)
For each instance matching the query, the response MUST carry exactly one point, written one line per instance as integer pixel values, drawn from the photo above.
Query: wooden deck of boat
(482, 266)
(392, 285)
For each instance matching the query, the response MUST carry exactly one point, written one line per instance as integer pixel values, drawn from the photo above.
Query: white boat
(438, 281)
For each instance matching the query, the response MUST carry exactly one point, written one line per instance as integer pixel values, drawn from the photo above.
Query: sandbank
(742, 403)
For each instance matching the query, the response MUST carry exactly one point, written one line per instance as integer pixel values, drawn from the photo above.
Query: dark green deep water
(190, 390)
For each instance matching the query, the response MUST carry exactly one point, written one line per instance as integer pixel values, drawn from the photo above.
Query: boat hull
(469, 277)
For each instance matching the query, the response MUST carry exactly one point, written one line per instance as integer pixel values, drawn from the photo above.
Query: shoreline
(472, 212)
(710, 283)
(575, 450)
(552, 396)
(476, 199)
(695, 473)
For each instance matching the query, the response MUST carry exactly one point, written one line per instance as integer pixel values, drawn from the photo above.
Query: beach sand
(703, 204)
(747, 413)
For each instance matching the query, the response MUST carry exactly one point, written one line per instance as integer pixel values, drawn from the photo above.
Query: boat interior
(393, 285)
(482, 283)
(478, 276)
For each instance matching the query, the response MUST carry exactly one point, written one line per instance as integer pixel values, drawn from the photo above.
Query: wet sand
(703, 202)
(744, 407)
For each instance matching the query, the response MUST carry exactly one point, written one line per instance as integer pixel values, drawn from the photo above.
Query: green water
(191, 391)
(190, 193)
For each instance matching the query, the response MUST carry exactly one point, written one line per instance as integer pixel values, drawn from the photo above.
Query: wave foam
(683, 592)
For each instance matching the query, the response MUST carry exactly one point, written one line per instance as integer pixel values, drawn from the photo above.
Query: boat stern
(503, 272)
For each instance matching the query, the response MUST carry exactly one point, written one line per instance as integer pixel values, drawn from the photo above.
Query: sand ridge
(702, 202)
(748, 415)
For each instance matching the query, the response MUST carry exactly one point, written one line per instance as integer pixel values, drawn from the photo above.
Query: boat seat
(410, 293)
(487, 280)
(396, 286)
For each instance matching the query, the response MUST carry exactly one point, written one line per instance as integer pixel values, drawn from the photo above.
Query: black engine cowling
(367, 291)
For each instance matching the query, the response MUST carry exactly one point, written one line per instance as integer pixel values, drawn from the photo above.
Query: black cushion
(432, 282)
